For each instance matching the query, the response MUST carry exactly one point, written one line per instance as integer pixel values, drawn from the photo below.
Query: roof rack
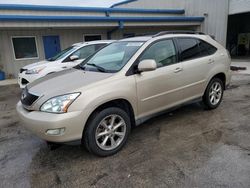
(178, 32)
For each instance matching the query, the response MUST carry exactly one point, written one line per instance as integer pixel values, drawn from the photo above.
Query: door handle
(210, 61)
(65, 67)
(178, 69)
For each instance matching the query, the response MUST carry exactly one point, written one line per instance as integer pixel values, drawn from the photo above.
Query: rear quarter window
(192, 48)
(189, 48)
(206, 48)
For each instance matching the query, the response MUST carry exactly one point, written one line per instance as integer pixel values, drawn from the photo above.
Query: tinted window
(189, 48)
(206, 49)
(162, 52)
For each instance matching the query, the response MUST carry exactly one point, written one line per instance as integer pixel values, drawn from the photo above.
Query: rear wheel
(107, 131)
(213, 94)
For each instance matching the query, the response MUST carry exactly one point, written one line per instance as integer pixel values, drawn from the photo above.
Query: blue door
(51, 46)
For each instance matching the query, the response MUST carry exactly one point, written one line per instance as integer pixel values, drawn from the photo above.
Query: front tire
(213, 94)
(107, 131)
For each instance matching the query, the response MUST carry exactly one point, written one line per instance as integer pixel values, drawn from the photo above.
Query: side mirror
(74, 57)
(147, 65)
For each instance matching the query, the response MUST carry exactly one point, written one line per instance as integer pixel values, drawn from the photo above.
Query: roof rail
(178, 32)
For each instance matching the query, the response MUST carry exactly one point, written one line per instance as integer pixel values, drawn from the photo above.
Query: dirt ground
(189, 147)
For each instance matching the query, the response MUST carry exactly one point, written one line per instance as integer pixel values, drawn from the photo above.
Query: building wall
(239, 6)
(150, 30)
(67, 38)
(215, 12)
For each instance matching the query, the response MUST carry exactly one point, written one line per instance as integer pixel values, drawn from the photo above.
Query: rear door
(161, 88)
(196, 62)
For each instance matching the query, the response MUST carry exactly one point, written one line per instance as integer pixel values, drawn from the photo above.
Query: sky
(83, 3)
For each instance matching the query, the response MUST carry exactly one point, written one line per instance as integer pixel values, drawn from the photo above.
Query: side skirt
(144, 119)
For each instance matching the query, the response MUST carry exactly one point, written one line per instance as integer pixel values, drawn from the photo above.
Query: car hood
(65, 82)
(37, 64)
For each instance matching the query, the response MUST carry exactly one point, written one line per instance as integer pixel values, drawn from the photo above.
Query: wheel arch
(120, 103)
(221, 76)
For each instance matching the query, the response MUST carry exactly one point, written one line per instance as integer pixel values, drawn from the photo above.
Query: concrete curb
(8, 82)
(243, 64)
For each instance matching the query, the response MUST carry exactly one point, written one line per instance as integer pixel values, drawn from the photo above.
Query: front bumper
(39, 122)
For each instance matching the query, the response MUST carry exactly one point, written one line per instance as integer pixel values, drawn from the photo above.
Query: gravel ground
(189, 147)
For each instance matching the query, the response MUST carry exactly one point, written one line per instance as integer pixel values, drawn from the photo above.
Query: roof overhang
(22, 16)
(100, 19)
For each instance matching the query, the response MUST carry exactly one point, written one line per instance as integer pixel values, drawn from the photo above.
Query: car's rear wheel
(213, 94)
(107, 131)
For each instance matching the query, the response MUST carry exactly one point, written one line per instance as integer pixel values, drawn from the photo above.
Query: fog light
(55, 132)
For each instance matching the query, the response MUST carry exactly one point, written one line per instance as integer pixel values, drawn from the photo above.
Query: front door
(161, 88)
(51, 46)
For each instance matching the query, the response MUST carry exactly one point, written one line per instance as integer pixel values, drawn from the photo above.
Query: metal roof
(89, 9)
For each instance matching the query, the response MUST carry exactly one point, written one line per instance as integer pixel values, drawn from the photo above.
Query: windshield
(63, 53)
(113, 57)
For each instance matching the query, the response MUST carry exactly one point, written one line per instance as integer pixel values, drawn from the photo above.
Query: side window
(206, 49)
(98, 46)
(84, 52)
(189, 48)
(163, 52)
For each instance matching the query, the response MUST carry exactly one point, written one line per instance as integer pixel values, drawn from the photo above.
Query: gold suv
(122, 85)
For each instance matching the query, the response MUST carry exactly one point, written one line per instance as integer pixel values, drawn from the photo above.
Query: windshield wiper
(101, 69)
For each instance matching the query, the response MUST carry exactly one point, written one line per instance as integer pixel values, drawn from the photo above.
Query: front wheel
(213, 94)
(107, 131)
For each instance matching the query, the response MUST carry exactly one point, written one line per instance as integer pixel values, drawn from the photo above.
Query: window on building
(163, 52)
(189, 48)
(88, 38)
(24, 47)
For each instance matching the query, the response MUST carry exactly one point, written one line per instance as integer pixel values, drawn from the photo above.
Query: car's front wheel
(213, 94)
(107, 131)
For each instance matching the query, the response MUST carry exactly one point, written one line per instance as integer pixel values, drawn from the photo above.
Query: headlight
(59, 104)
(35, 70)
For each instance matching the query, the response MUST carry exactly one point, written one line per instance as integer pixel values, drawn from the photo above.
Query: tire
(101, 135)
(213, 94)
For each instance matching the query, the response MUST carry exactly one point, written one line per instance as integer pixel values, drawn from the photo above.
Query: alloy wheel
(215, 93)
(110, 132)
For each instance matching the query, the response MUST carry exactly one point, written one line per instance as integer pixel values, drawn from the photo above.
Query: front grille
(24, 81)
(22, 70)
(27, 98)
